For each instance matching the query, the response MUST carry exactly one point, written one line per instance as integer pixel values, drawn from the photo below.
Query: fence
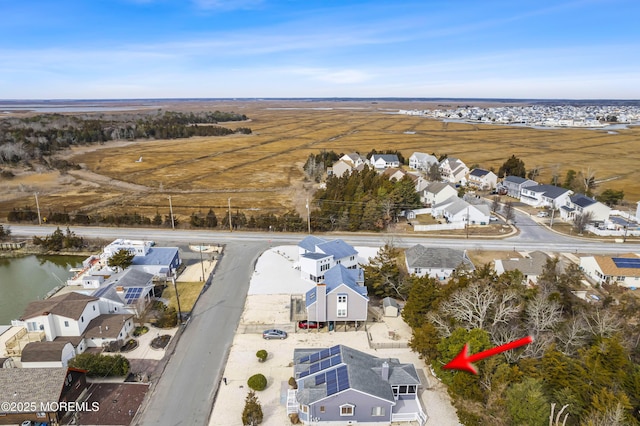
(442, 227)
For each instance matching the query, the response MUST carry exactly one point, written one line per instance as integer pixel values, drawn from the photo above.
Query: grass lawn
(188, 295)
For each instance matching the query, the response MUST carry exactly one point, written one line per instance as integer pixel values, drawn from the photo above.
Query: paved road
(185, 393)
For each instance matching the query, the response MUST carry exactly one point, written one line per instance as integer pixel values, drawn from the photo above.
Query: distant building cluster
(538, 115)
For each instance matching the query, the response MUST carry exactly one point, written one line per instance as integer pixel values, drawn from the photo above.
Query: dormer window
(347, 410)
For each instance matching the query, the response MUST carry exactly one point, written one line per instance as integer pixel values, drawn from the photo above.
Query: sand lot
(268, 304)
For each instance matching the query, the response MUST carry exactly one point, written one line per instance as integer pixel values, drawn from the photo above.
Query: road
(185, 393)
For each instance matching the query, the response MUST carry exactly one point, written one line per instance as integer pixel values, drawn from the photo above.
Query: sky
(115, 49)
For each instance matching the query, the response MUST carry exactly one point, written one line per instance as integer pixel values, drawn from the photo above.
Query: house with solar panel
(317, 255)
(580, 204)
(340, 296)
(341, 385)
(623, 270)
(545, 196)
(159, 261)
(128, 291)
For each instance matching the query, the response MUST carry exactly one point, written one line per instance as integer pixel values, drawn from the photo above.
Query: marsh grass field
(263, 172)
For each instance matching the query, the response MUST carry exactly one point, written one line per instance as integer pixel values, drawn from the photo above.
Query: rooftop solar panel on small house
(304, 359)
(303, 374)
(314, 357)
(325, 363)
(320, 379)
(336, 360)
(314, 368)
(325, 353)
(332, 387)
(334, 349)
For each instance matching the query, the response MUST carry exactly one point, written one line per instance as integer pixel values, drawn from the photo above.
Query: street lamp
(230, 227)
(173, 225)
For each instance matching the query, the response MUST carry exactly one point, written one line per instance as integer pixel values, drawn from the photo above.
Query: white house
(437, 263)
(482, 179)
(317, 255)
(158, 261)
(456, 210)
(454, 170)
(545, 196)
(384, 161)
(137, 247)
(108, 328)
(65, 315)
(623, 270)
(128, 291)
(422, 161)
(581, 204)
(354, 159)
(437, 192)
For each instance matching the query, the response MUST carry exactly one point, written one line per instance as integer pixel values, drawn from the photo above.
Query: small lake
(29, 278)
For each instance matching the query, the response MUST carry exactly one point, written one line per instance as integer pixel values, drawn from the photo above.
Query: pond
(29, 278)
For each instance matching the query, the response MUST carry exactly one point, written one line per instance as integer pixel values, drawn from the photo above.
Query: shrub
(98, 365)
(252, 413)
(262, 355)
(257, 382)
(295, 419)
(293, 383)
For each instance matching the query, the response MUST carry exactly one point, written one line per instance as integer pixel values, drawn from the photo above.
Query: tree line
(33, 138)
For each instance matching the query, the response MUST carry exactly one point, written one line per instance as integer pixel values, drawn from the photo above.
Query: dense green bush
(257, 382)
(262, 355)
(293, 383)
(98, 365)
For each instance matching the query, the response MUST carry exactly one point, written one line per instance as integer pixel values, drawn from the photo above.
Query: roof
(354, 156)
(315, 256)
(582, 200)
(420, 256)
(517, 180)
(69, 305)
(388, 158)
(106, 326)
(129, 279)
(422, 157)
(532, 265)
(74, 340)
(479, 172)
(354, 370)
(389, 301)
(549, 191)
(43, 351)
(310, 242)
(156, 256)
(338, 248)
(334, 278)
(435, 187)
(37, 385)
(609, 267)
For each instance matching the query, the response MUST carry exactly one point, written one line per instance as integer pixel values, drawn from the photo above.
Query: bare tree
(588, 180)
(613, 416)
(495, 204)
(543, 314)
(581, 220)
(573, 335)
(603, 323)
(557, 421)
(440, 323)
(508, 212)
(505, 334)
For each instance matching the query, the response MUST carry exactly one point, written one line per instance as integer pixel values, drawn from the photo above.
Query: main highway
(185, 393)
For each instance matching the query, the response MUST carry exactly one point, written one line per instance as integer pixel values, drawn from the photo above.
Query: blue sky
(86, 49)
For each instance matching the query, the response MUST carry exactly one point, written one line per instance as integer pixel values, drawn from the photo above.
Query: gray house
(341, 385)
(341, 296)
(435, 262)
(514, 184)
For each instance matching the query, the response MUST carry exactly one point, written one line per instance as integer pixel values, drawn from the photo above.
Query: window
(341, 306)
(412, 389)
(322, 408)
(403, 389)
(377, 411)
(66, 323)
(417, 270)
(347, 410)
(305, 408)
(82, 319)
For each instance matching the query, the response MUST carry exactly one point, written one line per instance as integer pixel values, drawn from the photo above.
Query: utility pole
(38, 207)
(308, 217)
(173, 225)
(202, 264)
(553, 212)
(467, 222)
(175, 287)
(230, 226)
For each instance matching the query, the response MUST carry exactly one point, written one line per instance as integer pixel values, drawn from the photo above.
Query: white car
(274, 334)
(543, 214)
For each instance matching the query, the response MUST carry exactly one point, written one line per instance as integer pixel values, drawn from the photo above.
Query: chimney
(119, 288)
(385, 371)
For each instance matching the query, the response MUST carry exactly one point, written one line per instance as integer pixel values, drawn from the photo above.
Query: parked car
(310, 324)
(274, 334)
(543, 214)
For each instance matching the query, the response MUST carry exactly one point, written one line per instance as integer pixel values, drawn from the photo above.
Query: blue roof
(315, 256)
(309, 243)
(338, 249)
(478, 172)
(582, 200)
(337, 276)
(157, 256)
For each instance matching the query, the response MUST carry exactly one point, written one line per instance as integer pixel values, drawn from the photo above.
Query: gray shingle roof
(478, 172)
(69, 305)
(515, 179)
(310, 242)
(582, 200)
(389, 158)
(106, 326)
(339, 275)
(43, 351)
(39, 385)
(528, 266)
(420, 256)
(156, 256)
(435, 187)
(550, 191)
(364, 373)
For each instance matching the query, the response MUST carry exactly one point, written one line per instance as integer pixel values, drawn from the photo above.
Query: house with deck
(482, 179)
(129, 291)
(437, 192)
(514, 185)
(454, 170)
(422, 161)
(341, 386)
(384, 161)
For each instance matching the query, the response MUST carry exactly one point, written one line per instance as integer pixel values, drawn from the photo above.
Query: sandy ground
(193, 273)
(268, 303)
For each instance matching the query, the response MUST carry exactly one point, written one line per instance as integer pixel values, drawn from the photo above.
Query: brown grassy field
(262, 172)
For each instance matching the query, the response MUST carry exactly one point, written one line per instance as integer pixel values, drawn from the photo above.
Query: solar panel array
(322, 365)
(132, 295)
(337, 380)
(102, 290)
(627, 262)
(317, 356)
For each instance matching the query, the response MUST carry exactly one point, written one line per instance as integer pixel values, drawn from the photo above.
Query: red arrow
(463, 361)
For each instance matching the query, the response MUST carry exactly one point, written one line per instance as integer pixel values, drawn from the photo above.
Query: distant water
(29, 278)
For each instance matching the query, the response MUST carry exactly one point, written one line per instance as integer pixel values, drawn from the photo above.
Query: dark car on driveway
(310, 324)
(274, 334)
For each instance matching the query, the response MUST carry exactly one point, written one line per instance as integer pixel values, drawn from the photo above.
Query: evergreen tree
(121, 259)
(512, 167)
(252, 413)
